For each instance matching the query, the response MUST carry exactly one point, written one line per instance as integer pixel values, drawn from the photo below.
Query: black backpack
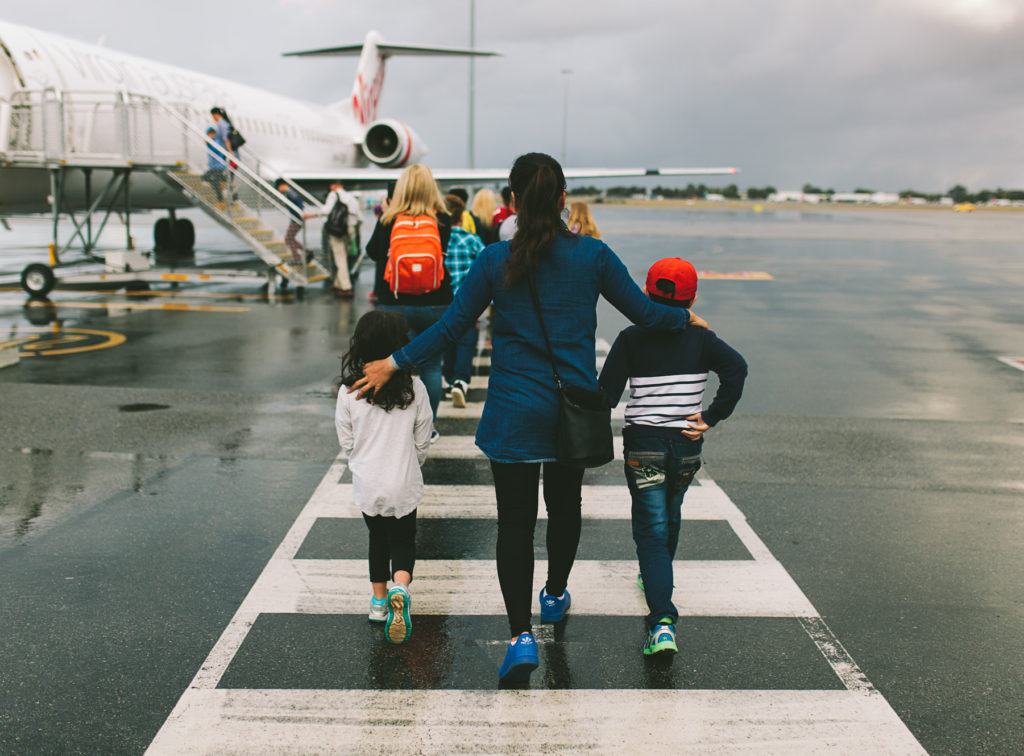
(235, 138)
(337, 221)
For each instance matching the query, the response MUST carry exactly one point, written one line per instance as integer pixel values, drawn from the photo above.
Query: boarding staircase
(131, 133)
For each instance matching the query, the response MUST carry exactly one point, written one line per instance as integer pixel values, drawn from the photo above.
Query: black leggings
(392, 545)
(515, 487)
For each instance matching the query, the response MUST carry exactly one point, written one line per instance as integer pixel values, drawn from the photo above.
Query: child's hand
(697, 320)
(375, 375)
(697, 427)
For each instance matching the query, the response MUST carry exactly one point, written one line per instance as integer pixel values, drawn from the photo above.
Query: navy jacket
(667, 374)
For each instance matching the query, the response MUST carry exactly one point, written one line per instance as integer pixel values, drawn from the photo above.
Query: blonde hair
(579, 213)
(484, 205)
(416, 193)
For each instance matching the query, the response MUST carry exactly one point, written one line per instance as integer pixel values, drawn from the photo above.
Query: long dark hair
(537, 182)
(379, 333)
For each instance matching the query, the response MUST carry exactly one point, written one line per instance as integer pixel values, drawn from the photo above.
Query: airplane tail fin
(370, 74)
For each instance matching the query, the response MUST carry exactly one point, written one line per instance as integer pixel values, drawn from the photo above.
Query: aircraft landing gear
(174, 240)
(38, 280)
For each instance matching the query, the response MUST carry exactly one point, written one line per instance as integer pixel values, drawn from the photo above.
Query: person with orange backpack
(410, 239)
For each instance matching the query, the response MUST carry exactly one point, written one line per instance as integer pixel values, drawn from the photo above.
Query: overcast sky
(882, 94)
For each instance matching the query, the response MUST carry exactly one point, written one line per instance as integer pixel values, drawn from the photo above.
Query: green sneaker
(662, 639)
(640, 581)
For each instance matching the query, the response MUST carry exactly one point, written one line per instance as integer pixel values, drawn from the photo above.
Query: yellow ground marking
(51, 343)
(743, 275)
(185, 294)
(169, 306)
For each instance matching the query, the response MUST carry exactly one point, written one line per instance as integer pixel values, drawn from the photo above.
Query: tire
(162, 240)
(183, 237)
(38, 279)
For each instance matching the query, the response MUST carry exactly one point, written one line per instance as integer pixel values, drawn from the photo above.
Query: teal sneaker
(398, 626)
(378, 609)
(662, 639)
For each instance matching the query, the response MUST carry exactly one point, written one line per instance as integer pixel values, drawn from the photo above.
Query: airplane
(76, 116)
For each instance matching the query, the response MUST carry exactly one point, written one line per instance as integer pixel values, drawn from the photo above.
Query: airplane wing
(368, 178)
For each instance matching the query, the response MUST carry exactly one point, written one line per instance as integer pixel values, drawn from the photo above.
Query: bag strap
(547, 342)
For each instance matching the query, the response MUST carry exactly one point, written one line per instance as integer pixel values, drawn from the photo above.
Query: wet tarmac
(876, 454)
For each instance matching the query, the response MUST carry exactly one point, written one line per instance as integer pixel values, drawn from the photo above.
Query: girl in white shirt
(386, 440)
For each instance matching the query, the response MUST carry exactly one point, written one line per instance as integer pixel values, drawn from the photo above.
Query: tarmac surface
(184, 571)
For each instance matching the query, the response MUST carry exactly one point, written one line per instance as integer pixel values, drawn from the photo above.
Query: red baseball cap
(672, 278)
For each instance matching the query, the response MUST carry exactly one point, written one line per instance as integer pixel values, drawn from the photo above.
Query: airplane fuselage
(289, 134)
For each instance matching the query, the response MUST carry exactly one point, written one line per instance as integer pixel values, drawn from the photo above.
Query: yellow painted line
(52, 343)
(171, 306)
(183, 294)
(743, 275)
(174, 277)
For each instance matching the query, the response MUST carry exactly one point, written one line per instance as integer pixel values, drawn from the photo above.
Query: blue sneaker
(554, 608)
(520, 660)
(398, 625)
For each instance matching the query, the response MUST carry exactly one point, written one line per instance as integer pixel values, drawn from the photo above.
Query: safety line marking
(127, 306)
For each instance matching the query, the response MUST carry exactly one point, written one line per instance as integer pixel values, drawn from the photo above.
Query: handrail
(124, 99)
(229, 159)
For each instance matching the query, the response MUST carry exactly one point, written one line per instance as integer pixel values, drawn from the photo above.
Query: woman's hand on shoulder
(375, 375)
(697, 320)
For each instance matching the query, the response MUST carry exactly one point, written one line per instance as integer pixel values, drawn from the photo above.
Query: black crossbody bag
(583, 435)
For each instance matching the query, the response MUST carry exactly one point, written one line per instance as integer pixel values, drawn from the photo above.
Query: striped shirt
(665, 400)
(667, 374)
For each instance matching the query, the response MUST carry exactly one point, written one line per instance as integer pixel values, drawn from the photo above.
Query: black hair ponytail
(537, 182)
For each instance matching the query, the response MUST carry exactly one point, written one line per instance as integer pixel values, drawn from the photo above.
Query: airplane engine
(392, 144)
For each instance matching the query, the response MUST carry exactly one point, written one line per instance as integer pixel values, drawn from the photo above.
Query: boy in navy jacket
(663, 434)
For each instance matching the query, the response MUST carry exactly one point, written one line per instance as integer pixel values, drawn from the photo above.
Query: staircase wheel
(38, 279)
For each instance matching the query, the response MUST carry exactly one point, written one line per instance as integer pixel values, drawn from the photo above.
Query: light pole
(566, 72)
(471, 147)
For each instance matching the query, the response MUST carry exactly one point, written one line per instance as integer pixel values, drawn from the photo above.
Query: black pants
(392, 545)
(515, 487)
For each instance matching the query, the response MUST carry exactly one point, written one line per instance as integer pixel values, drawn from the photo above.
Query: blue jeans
(458, 357)
(420, 318)
(658, 472)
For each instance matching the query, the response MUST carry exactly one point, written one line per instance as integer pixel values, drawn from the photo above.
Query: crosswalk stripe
(464, 447)
(535, 721)
(470, 587)
(702, 502)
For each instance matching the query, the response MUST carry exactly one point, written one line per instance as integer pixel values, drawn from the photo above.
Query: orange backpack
(415, 259)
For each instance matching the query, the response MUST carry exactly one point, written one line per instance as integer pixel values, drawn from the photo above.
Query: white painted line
(475, 410)
(477, 502)
(470, 586)
(1017, 362)
(464, 447)
(763, 722)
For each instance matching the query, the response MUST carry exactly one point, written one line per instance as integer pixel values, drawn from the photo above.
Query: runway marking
(206, 719)
(702, 502)
(51, 342)
(1017, 362)
(762, 722)
(128, 306)
(743, 275)
(759, 588)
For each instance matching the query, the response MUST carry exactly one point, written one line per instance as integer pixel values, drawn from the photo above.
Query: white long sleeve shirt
(385, 451)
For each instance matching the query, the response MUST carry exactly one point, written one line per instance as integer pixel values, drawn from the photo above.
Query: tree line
(958, 193)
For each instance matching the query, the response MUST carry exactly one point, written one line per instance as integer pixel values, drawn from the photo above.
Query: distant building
(796, 196)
